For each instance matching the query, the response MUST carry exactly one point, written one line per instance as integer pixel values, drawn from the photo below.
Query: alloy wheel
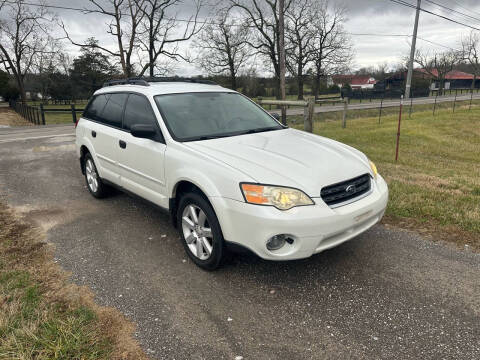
(92, 176)
(197, 232)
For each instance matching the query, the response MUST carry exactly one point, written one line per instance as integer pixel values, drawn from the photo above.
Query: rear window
(138, 111)
(95, 108)
(112, 112)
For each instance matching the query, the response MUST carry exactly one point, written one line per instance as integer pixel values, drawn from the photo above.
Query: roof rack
(126, 82)
(179, 79)
(144, 81)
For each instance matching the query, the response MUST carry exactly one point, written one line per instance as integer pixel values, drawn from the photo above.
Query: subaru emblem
(350, 189)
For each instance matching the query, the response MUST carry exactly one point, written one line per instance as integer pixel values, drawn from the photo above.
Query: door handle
(122, 144)
(94, 133)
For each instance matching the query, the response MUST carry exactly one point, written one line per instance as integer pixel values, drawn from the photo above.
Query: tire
(94, 184)
(205, 251)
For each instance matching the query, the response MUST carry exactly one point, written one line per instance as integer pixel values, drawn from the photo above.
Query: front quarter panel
(213, 177)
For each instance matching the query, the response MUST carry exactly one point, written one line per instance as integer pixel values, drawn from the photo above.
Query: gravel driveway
(387, 294)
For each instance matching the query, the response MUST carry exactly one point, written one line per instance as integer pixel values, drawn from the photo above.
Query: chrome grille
(346, 190)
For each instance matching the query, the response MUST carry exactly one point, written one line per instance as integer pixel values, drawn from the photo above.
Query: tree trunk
(278, 94)
(150, 58)
(300, 81)
(441, 85)
(316, 85)
(281, 59)
(473, 81)
(151, 46)
(233, 78)
(21, 88)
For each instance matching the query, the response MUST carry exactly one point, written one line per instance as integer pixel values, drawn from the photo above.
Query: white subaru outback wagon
(227, 171)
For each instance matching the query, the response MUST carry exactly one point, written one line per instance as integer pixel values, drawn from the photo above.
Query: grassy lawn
(435, 186)
(43, 316)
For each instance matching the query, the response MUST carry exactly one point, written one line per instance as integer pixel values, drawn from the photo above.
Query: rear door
(141, 161)
(104, 132)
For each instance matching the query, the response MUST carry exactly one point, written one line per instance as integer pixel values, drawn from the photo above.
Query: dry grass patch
(9, 117)
(43, 315)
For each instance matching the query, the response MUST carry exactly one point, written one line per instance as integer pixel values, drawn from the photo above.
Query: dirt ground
(9, 117)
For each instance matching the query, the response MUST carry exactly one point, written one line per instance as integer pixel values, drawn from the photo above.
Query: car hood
(288, 158)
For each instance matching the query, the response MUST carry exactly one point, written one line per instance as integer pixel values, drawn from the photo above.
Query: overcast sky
(364, 16)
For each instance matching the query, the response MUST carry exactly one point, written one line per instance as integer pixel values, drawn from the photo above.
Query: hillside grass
(435, 185)
(43, 315)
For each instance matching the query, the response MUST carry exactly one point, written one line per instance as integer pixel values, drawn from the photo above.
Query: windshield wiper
(254, 131)
(209, 137)
(251, 131)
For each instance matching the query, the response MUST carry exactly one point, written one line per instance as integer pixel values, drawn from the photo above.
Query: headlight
(283, 198)
(374, 169)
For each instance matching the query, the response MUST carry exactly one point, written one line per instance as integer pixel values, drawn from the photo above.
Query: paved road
(376, 104)
(387, 294)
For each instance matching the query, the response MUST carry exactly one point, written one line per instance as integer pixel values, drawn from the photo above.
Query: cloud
(377, 17)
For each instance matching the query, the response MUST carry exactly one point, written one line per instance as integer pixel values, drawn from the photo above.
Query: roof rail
(178, 79)
(144, 81)
(131, 81)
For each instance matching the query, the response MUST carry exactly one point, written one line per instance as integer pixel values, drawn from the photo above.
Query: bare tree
(161, 33)
(300, 36)
(332, 48)
(125, 17)
(24, 35)
(222, 47)
(471, 54)
(437, 65)
(262, 15)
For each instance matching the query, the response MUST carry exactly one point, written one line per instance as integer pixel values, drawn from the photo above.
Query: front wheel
(200, 231)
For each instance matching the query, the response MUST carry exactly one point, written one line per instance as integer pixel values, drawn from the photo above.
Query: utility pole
(412, 53)
(281, 52)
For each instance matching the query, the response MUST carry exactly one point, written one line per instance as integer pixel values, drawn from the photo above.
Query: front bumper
(314, 228)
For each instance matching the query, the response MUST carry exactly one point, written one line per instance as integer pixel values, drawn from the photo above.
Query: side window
(138, 111)
(112, 112)
(95, 108)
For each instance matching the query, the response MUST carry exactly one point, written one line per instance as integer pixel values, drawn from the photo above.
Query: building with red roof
(453, 80)
(355, 81)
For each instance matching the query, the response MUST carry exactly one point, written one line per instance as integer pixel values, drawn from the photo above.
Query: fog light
(278, 241)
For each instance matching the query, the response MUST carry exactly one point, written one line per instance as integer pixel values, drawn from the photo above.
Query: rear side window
(95, 108)
(138, 111)
(112, 112)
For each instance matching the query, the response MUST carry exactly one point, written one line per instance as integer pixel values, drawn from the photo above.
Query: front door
(141, 161)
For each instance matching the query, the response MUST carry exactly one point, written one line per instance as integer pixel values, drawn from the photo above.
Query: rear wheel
(200, 231)
(95, 185)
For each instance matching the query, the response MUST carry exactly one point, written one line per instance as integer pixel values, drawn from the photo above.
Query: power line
(83, 10)
(453, 14)
(377, 34)
(435, 43)
(464, 8)
(402, 35)
(404, 3)
(452, 10)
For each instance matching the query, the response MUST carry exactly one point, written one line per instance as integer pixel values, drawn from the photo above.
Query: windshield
(201, 116)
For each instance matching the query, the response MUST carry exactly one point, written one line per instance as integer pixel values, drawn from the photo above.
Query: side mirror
(143, 131)
(276, 116)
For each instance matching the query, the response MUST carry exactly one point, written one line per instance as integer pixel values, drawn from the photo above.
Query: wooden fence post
(435, 104)
(454, 102)
(380, 112)
(410, 109)
(344, 115)
(398, 130)
(32, 115)
(471, 98)
(42, 114)
(308, 115)
(74, 114)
